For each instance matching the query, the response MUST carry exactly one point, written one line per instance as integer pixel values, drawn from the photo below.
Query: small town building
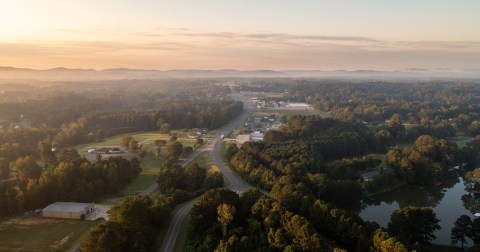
(68, 210)
(256, 136)
(299, 106)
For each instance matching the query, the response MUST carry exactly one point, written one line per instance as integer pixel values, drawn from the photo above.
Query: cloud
(182, 48)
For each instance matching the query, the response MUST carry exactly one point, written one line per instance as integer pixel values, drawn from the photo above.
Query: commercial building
(256, 136)
(68, 210)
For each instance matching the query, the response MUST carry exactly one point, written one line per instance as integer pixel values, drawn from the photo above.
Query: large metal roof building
(68, 210)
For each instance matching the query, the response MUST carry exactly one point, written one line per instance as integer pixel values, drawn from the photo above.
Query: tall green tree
(414, 224)
(125, 140)
(461, 230)
(107, 237)
(133, 145)
(475, 231)
(4, 170)
(174, 149)
(26, 168)
(225, 213)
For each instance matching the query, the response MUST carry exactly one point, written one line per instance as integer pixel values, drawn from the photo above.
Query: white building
(68, 210)
(256, 136)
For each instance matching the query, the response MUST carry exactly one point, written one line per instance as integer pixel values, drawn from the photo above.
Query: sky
(244, 35)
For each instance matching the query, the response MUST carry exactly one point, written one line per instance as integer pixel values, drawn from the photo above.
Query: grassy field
(203, 160)
(461, 141)
(150, 165)
(150, 170)
(39, 234)
(146, 137)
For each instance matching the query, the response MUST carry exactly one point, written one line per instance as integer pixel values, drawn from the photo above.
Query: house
(68, 210)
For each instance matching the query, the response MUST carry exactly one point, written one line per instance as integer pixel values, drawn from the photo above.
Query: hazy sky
(242, 34)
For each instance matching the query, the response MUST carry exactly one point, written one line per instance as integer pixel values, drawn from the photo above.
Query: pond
(446, 202)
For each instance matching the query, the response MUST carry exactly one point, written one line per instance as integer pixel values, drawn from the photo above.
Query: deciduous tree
(414, 224)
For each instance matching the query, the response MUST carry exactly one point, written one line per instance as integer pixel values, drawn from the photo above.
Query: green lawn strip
(203, 160)
(461, 141)
(140, 136)
(182, 235)
(163, 231)
(150, 170)
(82, 232)
(38, 234)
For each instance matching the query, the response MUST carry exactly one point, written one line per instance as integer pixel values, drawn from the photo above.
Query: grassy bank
(42, 234)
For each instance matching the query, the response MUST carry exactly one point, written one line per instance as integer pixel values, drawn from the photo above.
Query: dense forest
(39, 127)
(313, 165)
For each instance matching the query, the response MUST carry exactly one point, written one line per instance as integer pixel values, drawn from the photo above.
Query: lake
(446, 202)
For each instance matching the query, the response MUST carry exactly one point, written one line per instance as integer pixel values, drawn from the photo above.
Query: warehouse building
(68, 210)
(256, 136)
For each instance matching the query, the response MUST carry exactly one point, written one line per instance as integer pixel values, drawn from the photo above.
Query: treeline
(177, 114)
(314, 172)
(427, 160)
(57, 103)
(132, 226)
(223, 221)
(439, 108)
(304, 146)
(15, 143)
(62, 177)
(182, 184)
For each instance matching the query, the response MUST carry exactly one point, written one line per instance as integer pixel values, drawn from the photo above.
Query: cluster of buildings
(255, 128)
(261, 104)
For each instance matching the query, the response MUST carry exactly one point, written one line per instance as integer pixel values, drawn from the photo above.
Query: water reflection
(445, 200)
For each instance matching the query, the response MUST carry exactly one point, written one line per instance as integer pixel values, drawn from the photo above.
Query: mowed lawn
(42, 234)
(461, 141)
(148, 176)
(150, 165)
(204, 161)
(146, 137)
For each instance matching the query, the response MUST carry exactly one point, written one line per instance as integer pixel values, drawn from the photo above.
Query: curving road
(177, 220)
(234, 183)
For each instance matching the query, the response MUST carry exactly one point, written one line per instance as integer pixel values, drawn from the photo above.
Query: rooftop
(370, 174)
(67, 206)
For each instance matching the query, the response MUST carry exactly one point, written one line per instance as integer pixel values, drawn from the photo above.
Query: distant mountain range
(67, 74)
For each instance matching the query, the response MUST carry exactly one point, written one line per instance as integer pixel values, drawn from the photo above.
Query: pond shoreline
(445, 200)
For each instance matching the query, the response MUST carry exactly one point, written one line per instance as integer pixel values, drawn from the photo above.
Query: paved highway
(234, 183)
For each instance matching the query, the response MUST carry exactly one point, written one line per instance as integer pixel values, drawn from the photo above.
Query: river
(446, 202)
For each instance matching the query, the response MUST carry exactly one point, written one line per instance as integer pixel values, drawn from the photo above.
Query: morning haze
(222, 125)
